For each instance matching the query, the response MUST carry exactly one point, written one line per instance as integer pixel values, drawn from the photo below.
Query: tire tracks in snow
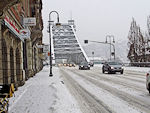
(85, 99)
(138, 103)
(119, 80)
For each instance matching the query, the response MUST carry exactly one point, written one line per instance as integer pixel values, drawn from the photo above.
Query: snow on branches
(137, 43)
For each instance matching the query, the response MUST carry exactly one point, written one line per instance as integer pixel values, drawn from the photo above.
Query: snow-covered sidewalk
(44, 94)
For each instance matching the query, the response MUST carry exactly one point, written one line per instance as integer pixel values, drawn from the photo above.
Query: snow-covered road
(117, 93)
(82, 91)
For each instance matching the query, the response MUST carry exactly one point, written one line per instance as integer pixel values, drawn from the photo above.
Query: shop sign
(12, 26)
(29, 21)
(25, 33)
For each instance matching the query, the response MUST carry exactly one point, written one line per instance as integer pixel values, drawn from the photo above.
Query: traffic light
(86, 41)
(112, 53)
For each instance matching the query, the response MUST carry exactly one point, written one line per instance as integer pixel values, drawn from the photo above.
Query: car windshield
(84, 63)
(114, 63)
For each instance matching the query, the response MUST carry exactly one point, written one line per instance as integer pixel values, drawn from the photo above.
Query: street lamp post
(50, 56)
(93, 56)
(110, 37)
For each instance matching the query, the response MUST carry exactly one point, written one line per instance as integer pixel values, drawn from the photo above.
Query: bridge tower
(66, 46)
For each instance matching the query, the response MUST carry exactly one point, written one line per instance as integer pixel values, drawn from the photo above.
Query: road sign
(45, 48)
(29, 21)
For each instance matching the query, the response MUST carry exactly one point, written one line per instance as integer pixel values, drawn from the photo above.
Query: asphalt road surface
(96, 92)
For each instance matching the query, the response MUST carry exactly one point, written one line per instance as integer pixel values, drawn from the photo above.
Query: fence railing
(138, 64)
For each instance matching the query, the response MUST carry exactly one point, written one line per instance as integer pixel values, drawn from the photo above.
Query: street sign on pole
(45, 48)
(31, 21)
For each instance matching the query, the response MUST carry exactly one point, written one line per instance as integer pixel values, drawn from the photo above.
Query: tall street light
(111, 37)
(57, 24)
(93, 55)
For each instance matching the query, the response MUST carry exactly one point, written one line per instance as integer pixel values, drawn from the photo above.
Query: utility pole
(111, 37)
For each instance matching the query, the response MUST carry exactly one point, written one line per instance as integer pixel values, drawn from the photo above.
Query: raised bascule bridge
(65, 44)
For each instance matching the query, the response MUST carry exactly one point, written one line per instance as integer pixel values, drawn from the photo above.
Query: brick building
(19, 58)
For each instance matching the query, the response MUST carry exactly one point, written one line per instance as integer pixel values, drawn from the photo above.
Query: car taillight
(147, 74)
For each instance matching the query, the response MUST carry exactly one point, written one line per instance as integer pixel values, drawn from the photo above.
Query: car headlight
(112, 67)
(122, 68)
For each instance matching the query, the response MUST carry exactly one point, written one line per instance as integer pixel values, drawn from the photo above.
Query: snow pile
(139, 69)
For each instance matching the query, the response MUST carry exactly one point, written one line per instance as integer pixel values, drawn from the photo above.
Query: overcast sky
(95, 19)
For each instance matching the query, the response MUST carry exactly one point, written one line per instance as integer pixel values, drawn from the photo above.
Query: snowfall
(44, 94)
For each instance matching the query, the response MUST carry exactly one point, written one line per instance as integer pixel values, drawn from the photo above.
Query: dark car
(84, 65)
(112, 67)
(148, 81)
(91, 64)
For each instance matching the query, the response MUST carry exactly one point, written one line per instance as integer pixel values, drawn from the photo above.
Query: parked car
(112, 67)
(84, 65)
(148, 81)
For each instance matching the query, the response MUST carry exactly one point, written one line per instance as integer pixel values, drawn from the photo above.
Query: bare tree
(136, 43)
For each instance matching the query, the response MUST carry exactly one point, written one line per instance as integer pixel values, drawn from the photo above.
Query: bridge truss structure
(66, 46)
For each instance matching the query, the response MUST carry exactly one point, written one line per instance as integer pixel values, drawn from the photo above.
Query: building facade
(19, 58)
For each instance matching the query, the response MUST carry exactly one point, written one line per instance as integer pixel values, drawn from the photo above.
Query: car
(72, 64)
(84, 65)
(112, 67)
(59, 65)
(148, 81)
(64, 64)
(91, 64)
